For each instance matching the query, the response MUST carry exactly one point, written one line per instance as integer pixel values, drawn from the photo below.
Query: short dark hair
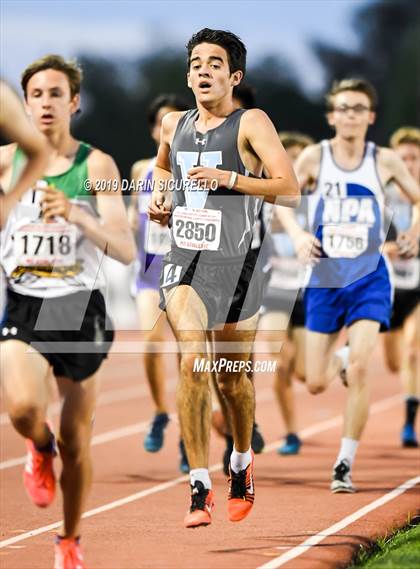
(166, 100)
(70, 68)
(245, 94)
(353, 84)
(234, 46)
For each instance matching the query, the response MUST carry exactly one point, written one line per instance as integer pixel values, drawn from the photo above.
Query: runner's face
(410, 153)
(49, 101)
(351, 114)
(158, 122)
(209, 75)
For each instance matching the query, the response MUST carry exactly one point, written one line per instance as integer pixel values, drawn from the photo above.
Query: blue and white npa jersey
(346, 213)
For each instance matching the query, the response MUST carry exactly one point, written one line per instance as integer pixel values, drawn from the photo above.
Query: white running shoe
(341, 478)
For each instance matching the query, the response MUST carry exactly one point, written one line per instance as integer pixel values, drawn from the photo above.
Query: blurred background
(131, 51)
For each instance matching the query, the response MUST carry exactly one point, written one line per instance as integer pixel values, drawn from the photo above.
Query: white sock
(347, 450)
(240, 460)
(344, 355)
(201, 474)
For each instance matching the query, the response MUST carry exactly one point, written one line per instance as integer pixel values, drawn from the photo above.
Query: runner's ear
(75, 104)
(236, 77)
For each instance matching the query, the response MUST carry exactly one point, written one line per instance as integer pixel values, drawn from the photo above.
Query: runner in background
(153, 241)
(349, 285)
(283, 315)
(56, 326)
(402, 342)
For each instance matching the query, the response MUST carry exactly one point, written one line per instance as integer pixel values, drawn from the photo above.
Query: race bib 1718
(45, 244)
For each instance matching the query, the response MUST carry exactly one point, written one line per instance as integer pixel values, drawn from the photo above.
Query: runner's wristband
(232, 180)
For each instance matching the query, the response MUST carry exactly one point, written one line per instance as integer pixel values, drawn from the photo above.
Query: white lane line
(134, 429)
(315, 539)
(110, 396)
(306, 433)
(96, 440)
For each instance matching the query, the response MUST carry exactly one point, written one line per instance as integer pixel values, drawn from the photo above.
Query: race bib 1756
(345, 240)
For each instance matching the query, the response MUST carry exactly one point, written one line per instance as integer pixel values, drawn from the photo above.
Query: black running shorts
(405, 301)
(231, 290)
(288, 301)
(72, 332)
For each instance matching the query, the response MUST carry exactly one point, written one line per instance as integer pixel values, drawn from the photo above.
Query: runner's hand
(157, 210)
(408, 244)
(391, 250)
(55, 204)
(308, 248)
(211, 178)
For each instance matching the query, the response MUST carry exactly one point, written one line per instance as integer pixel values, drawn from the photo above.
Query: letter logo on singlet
(186, 160)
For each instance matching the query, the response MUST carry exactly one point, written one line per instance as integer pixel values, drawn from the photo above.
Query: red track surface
(293, 501)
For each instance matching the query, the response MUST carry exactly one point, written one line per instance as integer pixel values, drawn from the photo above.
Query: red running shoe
(38, 475)
(68, 554)
(241, 492)
(201, 507)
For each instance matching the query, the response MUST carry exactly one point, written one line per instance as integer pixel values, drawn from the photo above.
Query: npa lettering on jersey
(348, 223)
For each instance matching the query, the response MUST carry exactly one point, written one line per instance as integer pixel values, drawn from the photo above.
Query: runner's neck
(213, 116)
(348, 153)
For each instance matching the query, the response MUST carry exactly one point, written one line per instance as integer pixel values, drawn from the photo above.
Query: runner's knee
(357, 371)
(192, 367)
(316, 387)
(74, 444)
(392, 362)
(284, 362)
(229, 382)
(24, 415)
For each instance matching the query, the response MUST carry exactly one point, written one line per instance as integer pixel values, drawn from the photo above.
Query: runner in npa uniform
(54, 243)
(153, 241)
(211, 268)
(283, 315)
(402, 342)
(350, 284)
(15, 125)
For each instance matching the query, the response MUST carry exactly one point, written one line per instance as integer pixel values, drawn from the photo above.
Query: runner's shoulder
(170, 122)
(386, 156)
(254, 118)
(101, 164)
(310, 158)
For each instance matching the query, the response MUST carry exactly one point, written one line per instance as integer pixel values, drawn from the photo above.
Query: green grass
(399, 551)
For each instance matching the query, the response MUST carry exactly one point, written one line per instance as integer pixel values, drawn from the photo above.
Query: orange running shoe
(68, 554)
(38, 475)
(201, 506)
(241, 492)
